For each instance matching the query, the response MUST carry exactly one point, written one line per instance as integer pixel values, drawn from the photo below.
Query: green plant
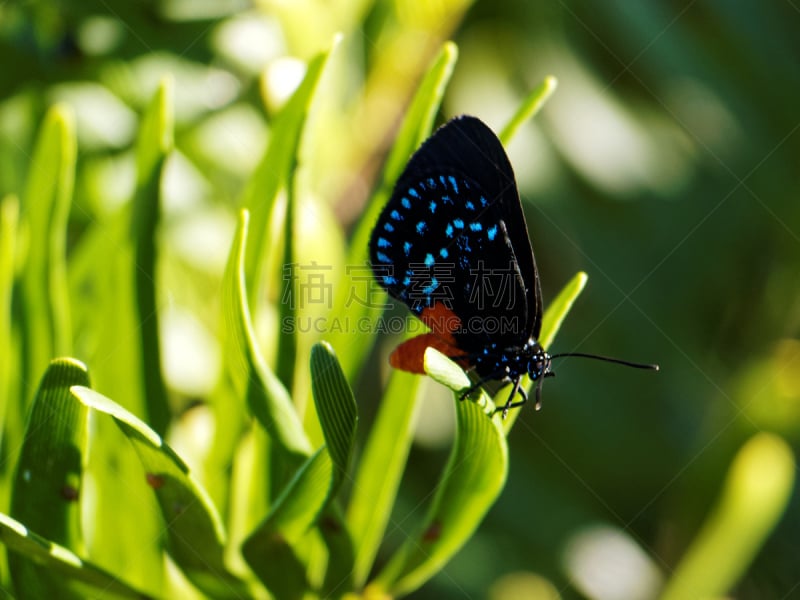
(262, 509)
(295, 535)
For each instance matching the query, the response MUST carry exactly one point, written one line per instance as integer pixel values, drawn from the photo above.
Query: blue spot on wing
(429, 260)
(492, 232)
(389, 280)
(396, 215)
(453, 183)
(469, 205)
(406, 203)
(384, 243)
(406, 247)
(382, 257)
(388, 227)
(422, 227)
(444, 253)
(432, 206)
(458, 223)
(413, 192)
(475, 226)
(448, 231)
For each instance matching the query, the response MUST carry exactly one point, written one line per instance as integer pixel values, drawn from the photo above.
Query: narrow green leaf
(338, 415)
(267, 398)
(9, 233)
(445, 371)
(271, 201)
(45, 209)
(312, 247)
(336, 407)
(57, 561)
(756, 492)
(381, 469)
(155, 137)
(473, 478)
(558, 309)
(274, 171)
(195, 536)
(12, 401)
(154, 144)
(102, 284)
(420, 116)
(294, 510)
(341, 552)
(49, 475)
(442, 369)
(303, 501)
(270, 548)
(532, 104)
(415, 128)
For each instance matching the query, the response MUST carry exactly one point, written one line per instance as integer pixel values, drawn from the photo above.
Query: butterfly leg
(517, 389)
(479, 384)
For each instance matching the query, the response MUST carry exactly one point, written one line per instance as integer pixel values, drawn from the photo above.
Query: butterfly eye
(539, 365)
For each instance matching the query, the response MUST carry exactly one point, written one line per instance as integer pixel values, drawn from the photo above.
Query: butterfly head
(538, 362)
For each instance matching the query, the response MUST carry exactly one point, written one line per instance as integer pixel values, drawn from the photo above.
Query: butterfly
(452, 245)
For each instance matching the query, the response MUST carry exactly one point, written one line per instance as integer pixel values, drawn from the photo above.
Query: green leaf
(9, 234)
(49, 475)
(338, 414)
(59, 562)
(275, 169)
(269, 550)
(310, 491)
(154, 144)
(275, 221)
(472, 480)
(381, 469)
(155, 139)
(266, 397)
(445, 371)
(195, 536)
(103, 292)
(45, 210)
(336, 407)
(442, 369)
(756, 492)
(529, 108)
(415, 128)
(558, 309)
(419, 119)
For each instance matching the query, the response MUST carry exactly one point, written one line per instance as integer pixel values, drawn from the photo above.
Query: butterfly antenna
(618, 361)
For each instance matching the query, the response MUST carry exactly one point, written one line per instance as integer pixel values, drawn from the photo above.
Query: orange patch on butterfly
(442, 321)
(410, 355)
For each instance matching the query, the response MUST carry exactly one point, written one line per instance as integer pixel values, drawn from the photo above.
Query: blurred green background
(665, 166)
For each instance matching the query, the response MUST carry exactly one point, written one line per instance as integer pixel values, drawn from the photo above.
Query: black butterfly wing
(453, 234)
